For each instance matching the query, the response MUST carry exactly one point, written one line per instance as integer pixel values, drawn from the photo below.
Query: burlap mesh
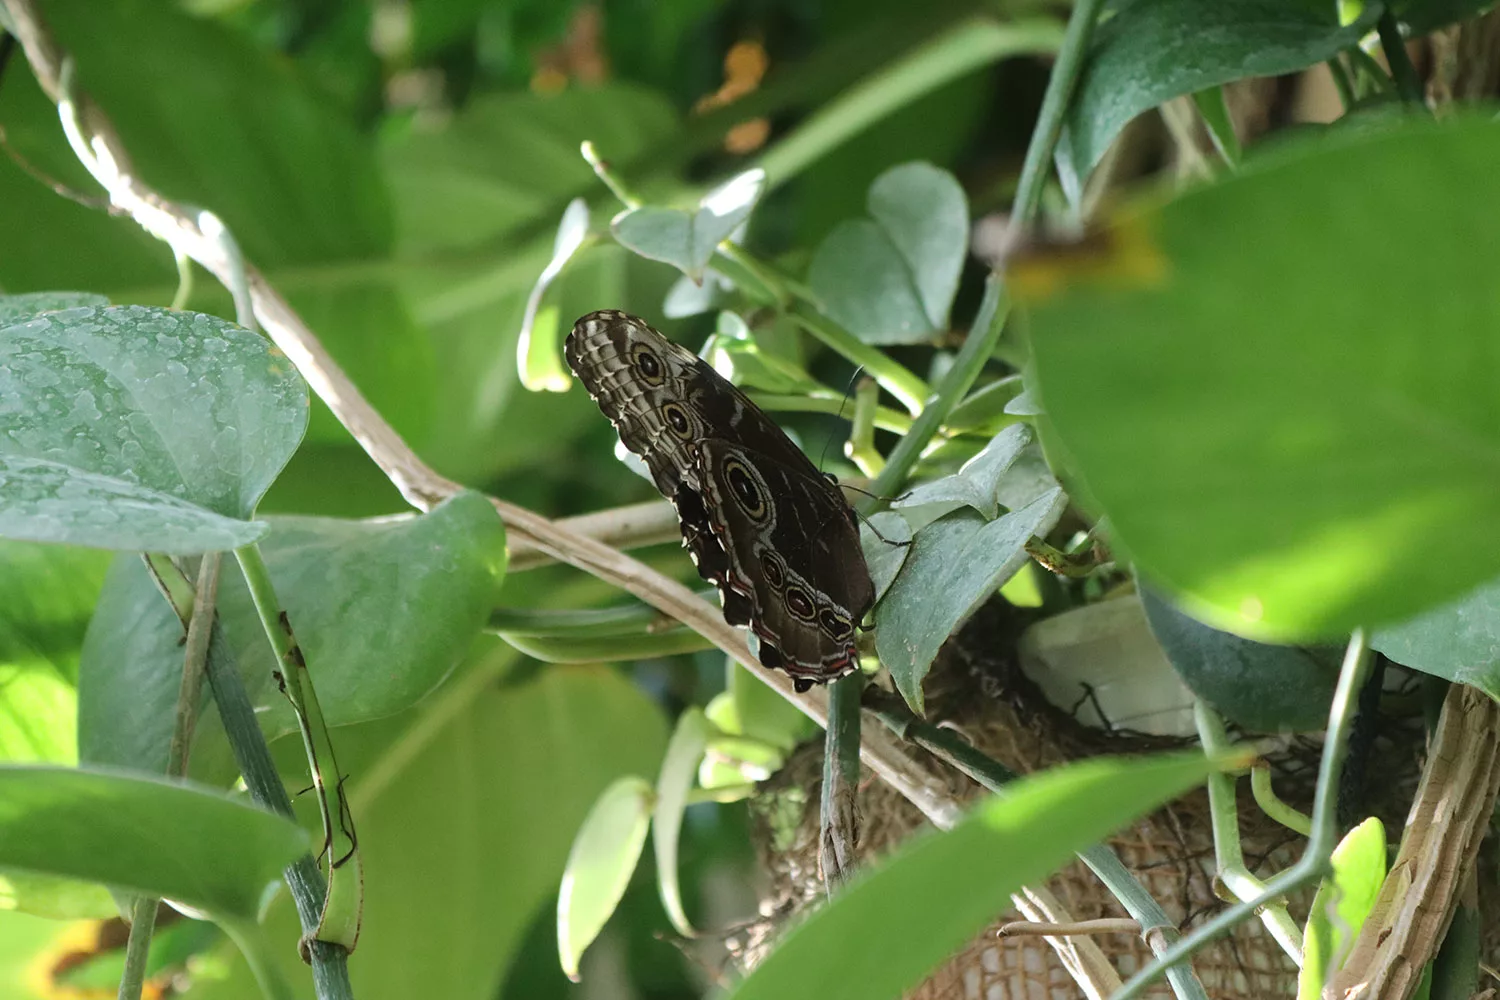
(977, 690)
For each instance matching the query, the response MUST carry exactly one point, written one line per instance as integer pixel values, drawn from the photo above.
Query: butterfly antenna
(875, 496)
(848, 392)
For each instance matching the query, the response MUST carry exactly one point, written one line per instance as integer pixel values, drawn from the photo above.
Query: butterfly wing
(794, 574)
(791, 544)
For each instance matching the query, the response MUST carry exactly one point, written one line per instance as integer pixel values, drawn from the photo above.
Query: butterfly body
(776, 537)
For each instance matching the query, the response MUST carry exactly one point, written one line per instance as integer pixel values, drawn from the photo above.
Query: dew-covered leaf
(19, 308)
(141, 428)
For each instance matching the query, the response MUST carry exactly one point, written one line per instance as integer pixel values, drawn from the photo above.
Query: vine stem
(970, 46)
(1314, 863)
(1055, 102)
(1224, 815)
(1402, 71)
(340, 919)
(189, 693)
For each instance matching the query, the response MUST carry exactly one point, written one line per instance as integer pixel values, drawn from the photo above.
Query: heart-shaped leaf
(974, 485)
(955, 563)
(890, 279)
(144, 835)
(383, 610)
(141, 428)
(687, 240)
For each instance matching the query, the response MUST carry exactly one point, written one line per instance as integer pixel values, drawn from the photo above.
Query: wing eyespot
(800, 604)
(650, 368)
(746, 490)
(678, 420)
(837, 626)
(772, 570)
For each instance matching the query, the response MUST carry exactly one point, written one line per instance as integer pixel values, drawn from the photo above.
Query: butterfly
(762, 524)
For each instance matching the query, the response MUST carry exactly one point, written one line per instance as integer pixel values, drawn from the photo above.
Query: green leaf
(687, 240)
(678, 769)
(1264, 688)
(891, 279)
(734, 354)
(214, 118)
(885, 555)
(383, 610)
(1459, 640)
(954, 565)
(938, 891)
(762, 713)
(975, 485)
(139, 428)
(47, 593)
(603, 858)
(537, 355)
(452, 189)
(467, 806)
(20, 308)
(1421, 16)
(1151, 51)
(1268, 437)
(145, 836)
(57, 898)
(1341, 905)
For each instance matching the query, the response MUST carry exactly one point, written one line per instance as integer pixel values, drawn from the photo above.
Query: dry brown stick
(627, 527)
(99, 147)
(1448, 819)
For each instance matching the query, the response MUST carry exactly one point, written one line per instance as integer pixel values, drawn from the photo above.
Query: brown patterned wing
(794, 575)
(791, 543)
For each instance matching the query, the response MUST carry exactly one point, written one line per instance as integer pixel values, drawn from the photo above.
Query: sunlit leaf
(603, 858)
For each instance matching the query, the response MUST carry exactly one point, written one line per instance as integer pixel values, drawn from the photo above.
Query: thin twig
(1079, 928)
